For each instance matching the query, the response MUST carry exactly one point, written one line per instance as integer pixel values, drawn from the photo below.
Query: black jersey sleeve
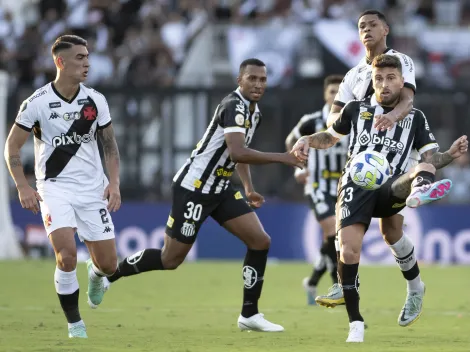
(343, 125)
(232, 116)
(424, 139)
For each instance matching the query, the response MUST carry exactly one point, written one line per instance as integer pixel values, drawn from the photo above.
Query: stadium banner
(441, 233)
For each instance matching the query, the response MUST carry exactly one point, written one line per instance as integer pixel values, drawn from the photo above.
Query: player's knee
(260, 242)
(173, 263)
(425, 167)
(66, 260)
(350, 253)
(109, 268)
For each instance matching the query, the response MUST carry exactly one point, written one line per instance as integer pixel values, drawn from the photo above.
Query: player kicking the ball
(72, 189)
(356, 206)
(202, 188)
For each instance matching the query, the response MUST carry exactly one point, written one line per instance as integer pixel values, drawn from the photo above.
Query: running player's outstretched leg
(403, 250)
(65, 279)
(249, 229)
(351, 242)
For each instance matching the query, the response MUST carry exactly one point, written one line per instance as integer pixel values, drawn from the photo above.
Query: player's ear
(386, 30)
(60, 62)
(239, 80)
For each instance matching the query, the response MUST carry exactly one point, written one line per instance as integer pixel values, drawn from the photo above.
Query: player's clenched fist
(300, 149)
(459, 147)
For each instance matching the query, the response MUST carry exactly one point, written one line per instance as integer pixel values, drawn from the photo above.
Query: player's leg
(60, 224)
(350, 238)
(417, 186)
(327, 254)
(189, 210)
(403, 250)
(238, 218)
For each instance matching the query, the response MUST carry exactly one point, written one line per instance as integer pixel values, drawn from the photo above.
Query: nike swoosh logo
(403, 315)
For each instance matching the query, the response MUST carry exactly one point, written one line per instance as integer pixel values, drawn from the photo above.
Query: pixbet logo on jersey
(75, 138)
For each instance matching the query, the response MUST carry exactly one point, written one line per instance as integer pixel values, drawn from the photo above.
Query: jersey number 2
(104, 217)
(193, 211)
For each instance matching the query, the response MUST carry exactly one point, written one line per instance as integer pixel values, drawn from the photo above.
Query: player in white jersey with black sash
(73, 192)
(414, 186)
(321, 183)
(202, 188)
(357, 84)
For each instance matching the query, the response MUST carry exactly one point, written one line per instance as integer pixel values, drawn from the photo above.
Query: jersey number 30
(193, 211)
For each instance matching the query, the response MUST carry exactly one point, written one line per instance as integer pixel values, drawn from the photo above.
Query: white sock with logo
(403, 251)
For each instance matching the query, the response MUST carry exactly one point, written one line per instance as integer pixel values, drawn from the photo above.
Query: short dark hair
(379, 14)
(385, 60)
(66, 42)
(248, 62)
(332, 79)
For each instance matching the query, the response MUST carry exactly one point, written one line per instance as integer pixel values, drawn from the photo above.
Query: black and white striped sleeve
(232, 116)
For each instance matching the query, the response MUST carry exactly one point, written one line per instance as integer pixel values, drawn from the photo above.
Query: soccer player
(408, 186)
(321, 182)
(357, 84)
(202, 188)
(73, 192)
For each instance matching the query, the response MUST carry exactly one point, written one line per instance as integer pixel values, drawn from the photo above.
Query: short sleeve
(345, 90)
(408, 71)
(232, 116)
(104, 116)
(424, 139)
(27, 116)
(343, 125)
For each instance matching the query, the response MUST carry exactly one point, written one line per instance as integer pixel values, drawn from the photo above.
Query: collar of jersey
(62, 97)
(247, 103)
(369, 62)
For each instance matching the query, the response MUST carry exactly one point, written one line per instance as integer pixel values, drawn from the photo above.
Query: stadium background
(164, 66)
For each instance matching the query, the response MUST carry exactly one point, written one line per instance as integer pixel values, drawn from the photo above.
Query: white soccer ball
(370, 170)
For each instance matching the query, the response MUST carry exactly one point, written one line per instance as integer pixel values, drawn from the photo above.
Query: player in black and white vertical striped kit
(202, 188)
(413, 187)
(357, 84)
(321, 183)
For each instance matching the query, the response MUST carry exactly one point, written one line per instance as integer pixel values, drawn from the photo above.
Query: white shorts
(87, 212)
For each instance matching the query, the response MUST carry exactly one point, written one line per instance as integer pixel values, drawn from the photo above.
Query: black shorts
(356, 205)
(323, 205)
(190, 209)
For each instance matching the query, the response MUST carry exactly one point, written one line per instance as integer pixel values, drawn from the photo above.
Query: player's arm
(15, 141)
(255, 199)
(344, 95)
(112, 160)
(441, 160)
(239, 153)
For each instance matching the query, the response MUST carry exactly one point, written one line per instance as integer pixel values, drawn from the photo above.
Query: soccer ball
(370, 170)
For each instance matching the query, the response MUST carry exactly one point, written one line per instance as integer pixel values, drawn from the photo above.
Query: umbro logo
(53, 116)
(107, 229)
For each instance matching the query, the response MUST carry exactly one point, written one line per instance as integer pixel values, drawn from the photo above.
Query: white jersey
(65, 143)
(357, 84)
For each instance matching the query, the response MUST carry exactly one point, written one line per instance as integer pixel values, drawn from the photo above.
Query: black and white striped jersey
(65, 143)
(357, 120)
(324, 165)
(210, 167)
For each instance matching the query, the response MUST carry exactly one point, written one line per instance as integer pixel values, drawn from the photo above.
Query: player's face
(253, 82)
(75, 63)
(330, 93)
(372, 30)
(387, 83)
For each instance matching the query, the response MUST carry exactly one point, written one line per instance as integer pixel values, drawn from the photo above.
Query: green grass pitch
(195, 308)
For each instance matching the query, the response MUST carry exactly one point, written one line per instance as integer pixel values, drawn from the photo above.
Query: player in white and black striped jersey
(357, 84)
(356, 206)
(321, 183)
(202, 188)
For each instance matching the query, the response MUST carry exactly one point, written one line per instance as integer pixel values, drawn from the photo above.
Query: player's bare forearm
(439, 160)
(251, 156)
(111, 153)
(322, 140)
(335, 114)
(405, 104)
(15, 141)
(245, 176)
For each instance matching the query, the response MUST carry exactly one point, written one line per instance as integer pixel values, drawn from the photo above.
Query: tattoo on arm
(108, 141)
(439, 160)
(14, 161)
(322, 140)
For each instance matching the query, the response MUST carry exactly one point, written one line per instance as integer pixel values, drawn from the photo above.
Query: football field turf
(195, 308)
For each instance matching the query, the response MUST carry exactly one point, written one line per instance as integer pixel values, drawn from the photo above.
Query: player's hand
(301, 177)
(113, 195)
(384, 122)
(29, 198)
(459, 147)
(301, 148)
(290, 159)
(255, 200)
